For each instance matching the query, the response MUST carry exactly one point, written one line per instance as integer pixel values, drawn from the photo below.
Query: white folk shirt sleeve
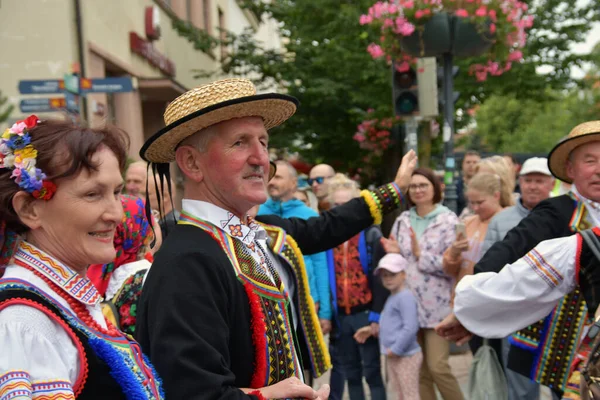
(38, 358)
(494, 305)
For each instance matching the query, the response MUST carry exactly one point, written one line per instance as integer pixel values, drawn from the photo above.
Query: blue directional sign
(106, 85)
(48, 86)
(42, 105)
(72, 102)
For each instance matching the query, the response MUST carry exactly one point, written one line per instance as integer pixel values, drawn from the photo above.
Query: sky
(591, 40)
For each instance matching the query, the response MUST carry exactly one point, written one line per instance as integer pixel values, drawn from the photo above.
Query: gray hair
(200, 139)
(290, 167)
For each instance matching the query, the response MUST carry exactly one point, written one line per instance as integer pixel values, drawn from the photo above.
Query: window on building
(222, 33)
(206, 15)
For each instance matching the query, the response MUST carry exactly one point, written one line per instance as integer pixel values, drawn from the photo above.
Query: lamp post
(450, 195)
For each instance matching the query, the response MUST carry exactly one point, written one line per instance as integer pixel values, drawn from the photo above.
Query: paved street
(459, 363)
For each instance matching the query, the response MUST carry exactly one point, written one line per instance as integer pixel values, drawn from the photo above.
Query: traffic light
(440, 80)
(406, 93)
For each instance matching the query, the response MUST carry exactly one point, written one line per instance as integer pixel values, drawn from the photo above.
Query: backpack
(486, 377)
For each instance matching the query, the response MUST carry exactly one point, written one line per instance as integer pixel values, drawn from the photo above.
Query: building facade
(46, 39)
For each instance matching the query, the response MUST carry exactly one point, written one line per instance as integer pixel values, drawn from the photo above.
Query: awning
(160, 89)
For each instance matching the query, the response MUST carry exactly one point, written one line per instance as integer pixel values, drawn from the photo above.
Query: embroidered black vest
(545, 350)
(588, 273)
(100, 378)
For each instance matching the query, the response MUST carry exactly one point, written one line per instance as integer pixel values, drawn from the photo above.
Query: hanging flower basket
(431, 39)
(467, 28)
(374, 134)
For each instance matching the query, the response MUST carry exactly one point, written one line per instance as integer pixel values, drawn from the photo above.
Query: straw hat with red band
(582, 134)
(210, 104)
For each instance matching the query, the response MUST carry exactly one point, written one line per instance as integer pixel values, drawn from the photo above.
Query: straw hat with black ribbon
(208, 105)
(582, 134)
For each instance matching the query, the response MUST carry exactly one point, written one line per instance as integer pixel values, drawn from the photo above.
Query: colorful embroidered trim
(18, 385)
(579, 220)
(83, 362)
(77, 286)
(259, 338)
(382, 200)
(128, 366)
(285, 245)
(17, 153)
(373, 209)
(279, 355)
(545, 270)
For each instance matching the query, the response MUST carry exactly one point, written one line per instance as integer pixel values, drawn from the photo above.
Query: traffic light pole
(450, 195)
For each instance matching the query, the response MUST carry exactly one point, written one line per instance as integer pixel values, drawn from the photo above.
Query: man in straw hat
(226, 310)
(543, 350)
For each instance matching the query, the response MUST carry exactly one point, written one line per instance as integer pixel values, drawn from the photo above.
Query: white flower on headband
(8, 161)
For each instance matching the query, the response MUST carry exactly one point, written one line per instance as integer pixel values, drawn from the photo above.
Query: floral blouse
(431, 286)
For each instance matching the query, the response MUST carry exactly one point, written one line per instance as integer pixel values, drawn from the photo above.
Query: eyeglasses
(422, 186)
(318, 179)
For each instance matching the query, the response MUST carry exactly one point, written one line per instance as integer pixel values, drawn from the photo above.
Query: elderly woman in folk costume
(59, 207)
(496, 304)
(120, 282)
(226, 310)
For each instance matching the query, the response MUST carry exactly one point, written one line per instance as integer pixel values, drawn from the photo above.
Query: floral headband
(17, 153)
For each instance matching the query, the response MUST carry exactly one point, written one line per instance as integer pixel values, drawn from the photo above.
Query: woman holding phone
(486, 198)
(421, 235)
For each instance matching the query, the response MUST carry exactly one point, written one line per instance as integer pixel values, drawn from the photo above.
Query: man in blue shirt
(283, 204)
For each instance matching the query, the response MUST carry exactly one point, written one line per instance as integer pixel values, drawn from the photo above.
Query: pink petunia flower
(461, 12)
(365, 19)
(406, 29)
(481, 11)
(516, 55)
(375, 50)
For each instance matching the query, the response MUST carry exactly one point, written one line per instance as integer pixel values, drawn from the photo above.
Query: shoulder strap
(592, 241)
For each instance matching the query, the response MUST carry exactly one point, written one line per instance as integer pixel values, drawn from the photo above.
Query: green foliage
(5, 109)
(326, 66)
(506, 123)
(557, 26)
(201, 40)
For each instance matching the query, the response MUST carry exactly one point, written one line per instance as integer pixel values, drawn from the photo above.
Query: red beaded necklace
(79, 308)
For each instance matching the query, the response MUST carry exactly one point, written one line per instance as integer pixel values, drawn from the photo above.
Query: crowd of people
(259, 280)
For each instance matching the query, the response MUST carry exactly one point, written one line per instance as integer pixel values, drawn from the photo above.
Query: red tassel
(257, 324)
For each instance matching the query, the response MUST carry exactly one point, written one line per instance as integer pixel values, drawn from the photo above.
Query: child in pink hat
(398, 326)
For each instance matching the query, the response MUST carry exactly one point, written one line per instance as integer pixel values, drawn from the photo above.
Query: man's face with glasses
(318, 178)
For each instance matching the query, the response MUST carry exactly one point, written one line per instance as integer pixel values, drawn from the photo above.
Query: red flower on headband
(31, 121)
(46, 192)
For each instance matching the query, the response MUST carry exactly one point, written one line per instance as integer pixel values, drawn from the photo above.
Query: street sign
(42, 105)
(106, 85)
(48, 86)
(74, 85)
(72, 102)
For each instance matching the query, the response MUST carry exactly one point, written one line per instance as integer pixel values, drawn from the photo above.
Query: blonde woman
(358, 298)
(496, 165)
(485, 199)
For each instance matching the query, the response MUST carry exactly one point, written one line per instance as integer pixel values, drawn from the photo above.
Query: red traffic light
(405, 79)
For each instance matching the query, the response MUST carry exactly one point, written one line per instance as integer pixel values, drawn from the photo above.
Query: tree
(506, 123)
(5, 109)
(326, 66)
